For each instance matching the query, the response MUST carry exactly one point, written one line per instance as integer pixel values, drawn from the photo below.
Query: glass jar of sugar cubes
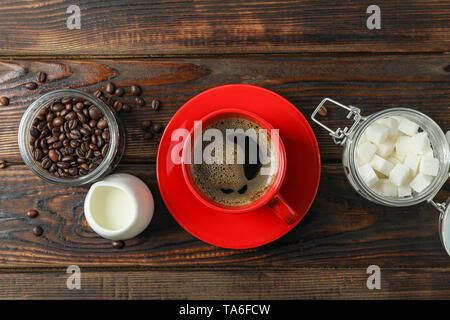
(396, 157)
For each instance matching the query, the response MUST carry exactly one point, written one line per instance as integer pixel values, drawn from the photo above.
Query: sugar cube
(408, 127)
(387, 188)
(429, 154)
(377, 133)
(399, 175)
(365, 151)
(420, 144)
(381, 165)
(429, 166)
(393, 159)
(412, 161)
(404, 191)
(377, 187)
(391, 123)
(402, 146)
(368, 175)
(386, 148)
(420, 182)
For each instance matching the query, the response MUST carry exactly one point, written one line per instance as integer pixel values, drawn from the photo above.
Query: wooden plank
(218, 27)
(340, 230)
(372, 83)
(236, 283)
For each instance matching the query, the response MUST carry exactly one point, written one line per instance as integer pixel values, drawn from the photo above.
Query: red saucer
(261, 226)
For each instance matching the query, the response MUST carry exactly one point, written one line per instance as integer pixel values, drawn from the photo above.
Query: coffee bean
(119, 92)
(53, 155)
(126, 108)
(95, 113)
(118, 106)
(38, 231)
(32, 213)
(58, 122)
(35, 132)
(41, 77)
(155, 104)
(110, 87)
(37, 155)
(102, 124)
(118, 244)
(322, 111)
(3, 164)
(70, 116)
(148, 135)
(135, 90)
(105, 150)
(98, 93)
(46, 163)
(140, 101)
(106, 135)
(30, 85)
(75, 134)
(146, 124)
(157, 127)
(4, 101)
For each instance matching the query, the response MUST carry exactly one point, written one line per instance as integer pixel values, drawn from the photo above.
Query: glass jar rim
(45, 100)
(434, 186)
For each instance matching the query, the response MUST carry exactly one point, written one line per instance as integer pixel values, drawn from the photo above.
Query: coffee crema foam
(237, 184)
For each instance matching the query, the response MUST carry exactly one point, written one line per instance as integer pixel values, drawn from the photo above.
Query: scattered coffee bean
(135, 90)
(118, 106)
(140, 101)
(98, 93)
(70, 138)
(119, 92)
(322, 111)
(118, 244)
(148, 135)
(3, 164)
(41, 77)
(4, 101)
(38, 231)
(155, 104)
(146, 124)
(157, 128)
(126, 108)
(32, 213)
(30, 85)
(110, 87)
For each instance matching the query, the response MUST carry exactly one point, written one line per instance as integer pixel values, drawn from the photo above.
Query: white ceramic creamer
(119, 207)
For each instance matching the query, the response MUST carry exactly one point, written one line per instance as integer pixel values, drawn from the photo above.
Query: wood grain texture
(371, 83)
(340, 230)
(234, 284)
(130, 27)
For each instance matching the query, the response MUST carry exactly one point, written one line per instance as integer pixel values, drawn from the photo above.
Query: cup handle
(282, 209)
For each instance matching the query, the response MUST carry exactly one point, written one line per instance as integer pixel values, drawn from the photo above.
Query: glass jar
(349, 138)
(111, 159)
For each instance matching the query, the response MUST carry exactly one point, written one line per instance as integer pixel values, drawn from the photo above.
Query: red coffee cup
(271, 198)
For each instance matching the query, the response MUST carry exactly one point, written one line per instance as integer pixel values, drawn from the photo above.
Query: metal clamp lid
(340, 135)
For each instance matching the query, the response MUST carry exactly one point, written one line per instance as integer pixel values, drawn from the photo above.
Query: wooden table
(304, 51)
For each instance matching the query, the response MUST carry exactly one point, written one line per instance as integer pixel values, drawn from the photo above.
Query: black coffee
(251, 171)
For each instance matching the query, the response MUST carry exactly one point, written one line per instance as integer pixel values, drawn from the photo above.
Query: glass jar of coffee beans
(70, 137)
